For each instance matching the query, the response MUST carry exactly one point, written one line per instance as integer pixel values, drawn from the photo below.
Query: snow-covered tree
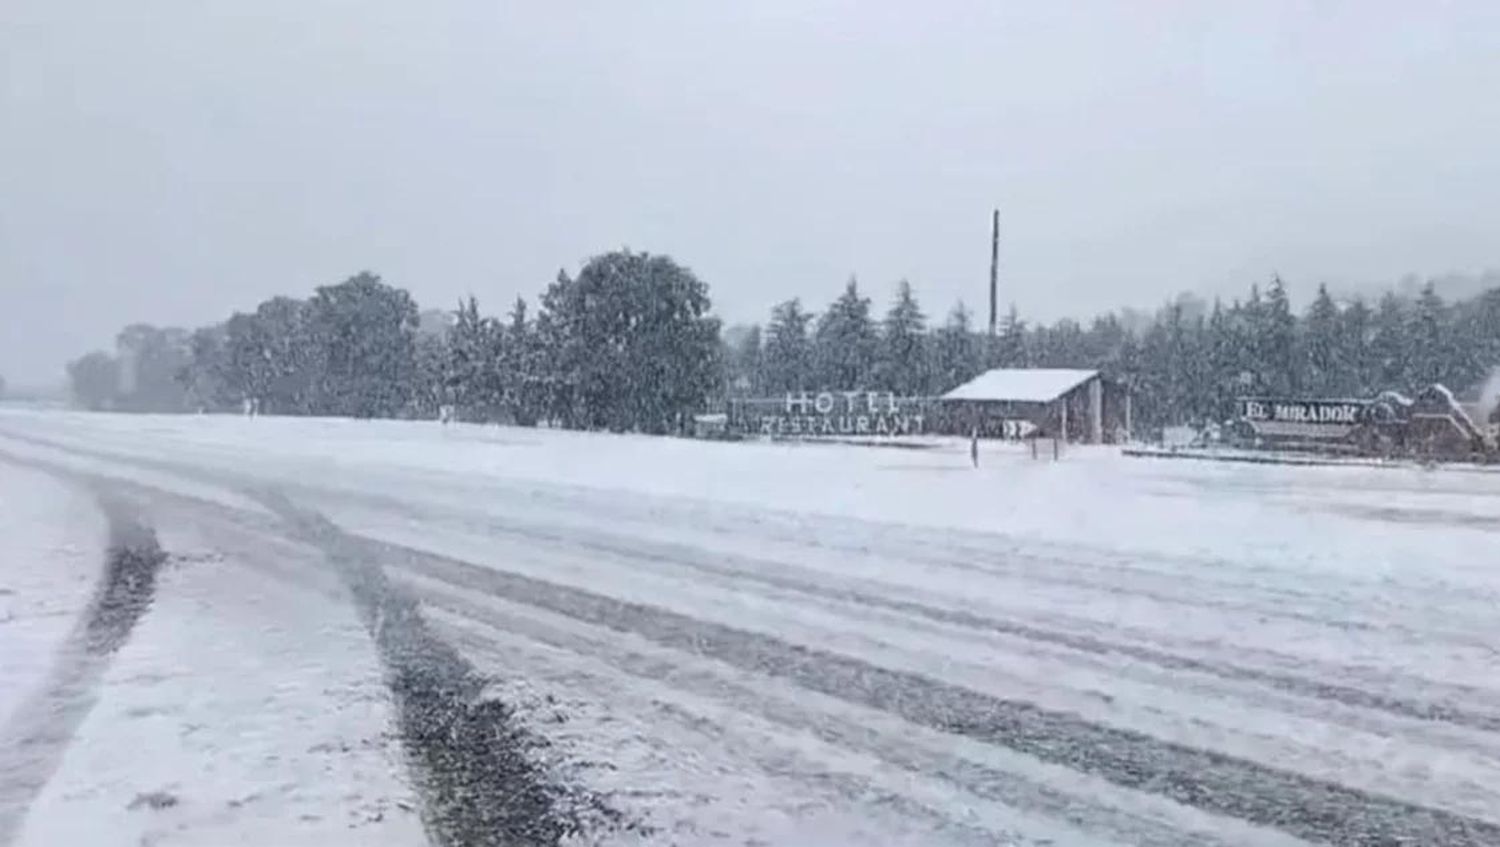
(846, 343)
(95, 381)
(957, 353)
(1390, 348)
(903, 363)
(1354, 350)
(632, 340)
(1009, 349)
(1324, 363)
(787, 354)
(364, 335)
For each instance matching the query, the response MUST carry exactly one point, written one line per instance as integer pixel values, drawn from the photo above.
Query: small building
(1073, 405)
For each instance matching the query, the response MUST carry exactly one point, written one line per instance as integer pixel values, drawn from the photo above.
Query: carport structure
(1079, 406)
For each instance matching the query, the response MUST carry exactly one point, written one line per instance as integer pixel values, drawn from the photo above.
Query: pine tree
(746, 376)
(787, 359)
(845, 343)
(1009, 349)
(94, 380)
(1430, 356)
(903, 361)
(1476, 339)
(956, 351)
(1278, 341)
(1103, 342)
(1063, 345)
(524, 384)
(364, 332)
(1354, 351)
(472, 376)
(632, 343)
(1220, 360)
(1390, 348)
(1325, 368)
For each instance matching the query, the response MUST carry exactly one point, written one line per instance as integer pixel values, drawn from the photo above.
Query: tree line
(629, 344)
(1185, 364)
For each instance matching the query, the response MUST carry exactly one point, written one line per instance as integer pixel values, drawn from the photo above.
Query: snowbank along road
(379, 632)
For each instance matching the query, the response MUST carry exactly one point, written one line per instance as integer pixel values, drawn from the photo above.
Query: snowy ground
(213, 723)
(784, 644)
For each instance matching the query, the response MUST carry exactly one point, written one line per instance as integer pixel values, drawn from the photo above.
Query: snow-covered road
(740, 644)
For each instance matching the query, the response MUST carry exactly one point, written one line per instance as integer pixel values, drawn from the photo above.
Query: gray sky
(173, 160)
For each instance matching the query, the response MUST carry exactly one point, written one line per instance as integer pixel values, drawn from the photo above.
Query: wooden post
(1056, 450)
(1096, 411)
(994, 276)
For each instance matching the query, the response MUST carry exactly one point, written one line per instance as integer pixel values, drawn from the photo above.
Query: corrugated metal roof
(1021, 385)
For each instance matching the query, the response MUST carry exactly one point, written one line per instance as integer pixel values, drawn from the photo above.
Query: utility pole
(994, 277)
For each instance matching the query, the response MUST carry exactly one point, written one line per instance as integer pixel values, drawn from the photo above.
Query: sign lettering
(830, 413)
(1318, 412)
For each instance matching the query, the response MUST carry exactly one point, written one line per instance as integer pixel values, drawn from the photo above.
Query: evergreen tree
(1430, 357)
(1390, 349)
(1063, 345)
(845, 342)
(1103, 343)
(1278, 341)
(1009, 345)
(787, 359)
(292, 361)
(1476, 339)
(903, 363)
(364, 333)
(1354, 351)
(95, 381)
(430, 393)
(632, 341)
(1222, 358)
(1324, 362)
(473, 372)
(151, 361)
(744, 355)
(525, 384)
(956, 351)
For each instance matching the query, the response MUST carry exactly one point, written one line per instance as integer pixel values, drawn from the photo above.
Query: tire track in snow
(266, 540)
(1217, 783)
(479, 786)
(33, 742)
(825, 786)
(1028, 567)
(1294, 803)
(915, 543)
(1009, 788)
(745, 570)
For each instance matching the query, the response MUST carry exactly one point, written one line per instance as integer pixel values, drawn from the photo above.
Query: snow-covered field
(213, 724)
(754, 643)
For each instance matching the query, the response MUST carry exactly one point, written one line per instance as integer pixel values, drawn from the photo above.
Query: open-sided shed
(1071, 404)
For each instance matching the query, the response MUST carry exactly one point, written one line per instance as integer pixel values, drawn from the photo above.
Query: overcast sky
(171, 161)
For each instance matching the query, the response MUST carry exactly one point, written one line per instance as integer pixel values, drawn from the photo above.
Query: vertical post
(1096, 411)
(1127, 413)
(994, 273)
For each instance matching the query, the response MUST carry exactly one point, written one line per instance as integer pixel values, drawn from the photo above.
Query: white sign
(1017, 429)
(835, 413)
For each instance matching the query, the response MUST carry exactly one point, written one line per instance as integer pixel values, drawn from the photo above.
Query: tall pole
(994, 270)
